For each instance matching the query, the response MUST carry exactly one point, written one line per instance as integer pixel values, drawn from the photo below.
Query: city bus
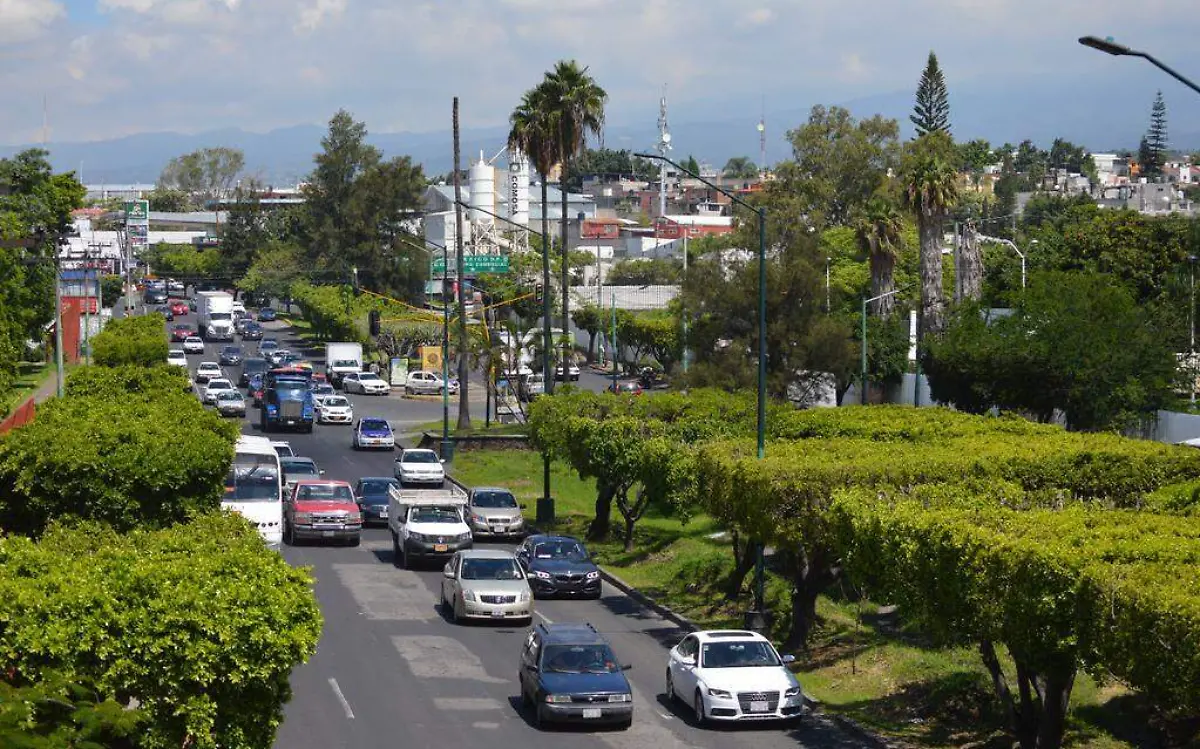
(254, 487)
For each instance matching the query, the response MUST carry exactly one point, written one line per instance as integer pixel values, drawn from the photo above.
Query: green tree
(975, 155)
(609, 163)
(168, 199)
(691, 164)
(931, 113)
(591, 319)
(879, 233)
(930, 192)
(205, 176)
(52, 711)
(244, 231)
(1156, 139)
(277, 265)
(640, 272)
(740, 167)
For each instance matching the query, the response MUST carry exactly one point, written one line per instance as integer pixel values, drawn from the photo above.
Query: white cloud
(22, 20)
(312, 16)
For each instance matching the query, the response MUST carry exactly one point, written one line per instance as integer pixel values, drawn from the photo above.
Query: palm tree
(576, 110)
(879, 234)
(531, 134)
(930, 191)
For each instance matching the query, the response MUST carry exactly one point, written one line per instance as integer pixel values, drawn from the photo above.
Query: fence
(21, 416)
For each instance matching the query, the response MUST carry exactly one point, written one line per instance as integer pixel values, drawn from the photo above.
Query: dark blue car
(569, 673)
(559, 566)
(372, 495)
(266, 314)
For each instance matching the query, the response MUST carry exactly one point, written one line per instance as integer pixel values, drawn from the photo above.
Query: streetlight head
(1105, 45)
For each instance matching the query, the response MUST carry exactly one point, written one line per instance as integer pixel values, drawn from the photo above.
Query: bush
(200, 623)
(126, 381)
(131, 340)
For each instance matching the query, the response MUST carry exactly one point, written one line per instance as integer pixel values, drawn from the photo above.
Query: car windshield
(229, 395)
(737, 654)
(299, 468)
(434, 515)
(323, 390)
(490, 569)
(325, 493)
(377, 425)
(215, 385)
(367, 377)
(232, 351)
(579, 659)
(194, 339)
(419, 456)
(345, 363)
(336, 401)
(290, 386)
(571, 550)
(375, 488)
(491, 499)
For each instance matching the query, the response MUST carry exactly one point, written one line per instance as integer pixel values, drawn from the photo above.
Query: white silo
(483, 192)
(518, 188)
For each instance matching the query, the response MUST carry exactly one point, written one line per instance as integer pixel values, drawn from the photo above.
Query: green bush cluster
(131, 340)
(325, 308)
(198, 625)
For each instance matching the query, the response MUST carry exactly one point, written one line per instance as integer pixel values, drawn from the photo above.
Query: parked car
(230, 403)
(179, 308)
(252, 366)
(207, 371)
(424, 382)
(492, 511)
(532, 386)
(367, 383)
(266, 314)
(215, 386)
(559, 566)
(321, 510)
(335, 409)
(177, 357)
(564, 666)
(231, 356)
(372, 495)
(180, 332)
(193, 344)
(419, 466)
(252, 331)
(373, 432)
(571, 373)
(486, 584)
(626, 387)
(731, 675)
(296, 469)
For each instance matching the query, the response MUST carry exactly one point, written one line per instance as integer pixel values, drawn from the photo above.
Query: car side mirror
(321, 472)
(448, 571)
(789, 658)
(441, 460)
(626, 666)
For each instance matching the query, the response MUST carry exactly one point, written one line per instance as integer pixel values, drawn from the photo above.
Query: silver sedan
(486, 584)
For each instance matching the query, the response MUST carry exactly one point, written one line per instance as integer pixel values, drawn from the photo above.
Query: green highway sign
(473, 265)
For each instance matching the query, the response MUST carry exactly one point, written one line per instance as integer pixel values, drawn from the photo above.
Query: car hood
(561, 566)
(750, 679)
(421, 467)
(495, 587)
(439, 529)
(324, 506)
(508, 513)
(584, 683)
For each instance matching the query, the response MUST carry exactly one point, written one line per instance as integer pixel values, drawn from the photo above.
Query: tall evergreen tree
(932, 110)
(1156, 138)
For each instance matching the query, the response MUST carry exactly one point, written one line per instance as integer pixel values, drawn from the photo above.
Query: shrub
(131, 340)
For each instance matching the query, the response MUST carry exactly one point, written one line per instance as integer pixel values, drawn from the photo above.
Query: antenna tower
(664, 145)
(762, 139)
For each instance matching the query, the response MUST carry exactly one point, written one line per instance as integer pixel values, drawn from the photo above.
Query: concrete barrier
(21, 415)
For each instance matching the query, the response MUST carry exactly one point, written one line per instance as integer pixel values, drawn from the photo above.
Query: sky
(110, 68)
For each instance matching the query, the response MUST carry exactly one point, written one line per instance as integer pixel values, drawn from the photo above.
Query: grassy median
(863, 662)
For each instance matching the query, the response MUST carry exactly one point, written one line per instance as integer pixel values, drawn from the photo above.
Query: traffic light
(373, 321)
(539, 291)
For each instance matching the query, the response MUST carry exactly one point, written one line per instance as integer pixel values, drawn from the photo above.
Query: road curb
(647, 601)
(856, 729)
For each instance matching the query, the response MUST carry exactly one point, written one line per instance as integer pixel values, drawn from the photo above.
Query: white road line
(543, 617)
(337, 692)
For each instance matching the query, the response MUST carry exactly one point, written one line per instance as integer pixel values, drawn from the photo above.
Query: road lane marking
(543, 617)
(337, 692)
(438, 657)
(385, 593)
(645, 731)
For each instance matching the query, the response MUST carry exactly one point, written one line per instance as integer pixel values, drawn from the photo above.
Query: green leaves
(131, 341)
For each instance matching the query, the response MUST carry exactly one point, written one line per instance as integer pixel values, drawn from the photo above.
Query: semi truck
(287, 399)
(341, 359)
(214, 315)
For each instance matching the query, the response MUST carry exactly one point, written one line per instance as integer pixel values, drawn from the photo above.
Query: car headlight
(464, 536)
(354, 517)
(620, 698)
(792, 692)
(417, 536)
(469, 595)
(593, 574)
(302, 518)
(540, 574)
(553, 698)
(523, 597)
(723, 694)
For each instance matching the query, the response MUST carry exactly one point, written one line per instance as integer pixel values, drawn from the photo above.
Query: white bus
(254, 487)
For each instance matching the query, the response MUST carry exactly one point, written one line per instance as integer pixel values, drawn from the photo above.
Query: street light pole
(1013, 245)
(756, 619)
(1120, 50)
(865, 302)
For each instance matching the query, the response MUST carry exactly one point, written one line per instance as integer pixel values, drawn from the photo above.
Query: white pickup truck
(427, 524)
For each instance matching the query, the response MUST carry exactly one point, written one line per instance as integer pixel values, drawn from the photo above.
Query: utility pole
(58, 319)
(464, 406)
(682, 309)
(762, 140)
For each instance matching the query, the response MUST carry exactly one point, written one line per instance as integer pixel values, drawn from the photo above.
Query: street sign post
(473, 265)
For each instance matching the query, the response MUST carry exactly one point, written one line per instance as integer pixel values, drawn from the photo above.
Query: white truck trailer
(214, 315)
(341, 359)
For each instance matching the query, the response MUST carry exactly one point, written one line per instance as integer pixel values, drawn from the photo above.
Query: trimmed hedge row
(200, 623)
(131, 340)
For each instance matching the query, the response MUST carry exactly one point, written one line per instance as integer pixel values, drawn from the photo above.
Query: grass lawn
(862, 662)
(30, 377)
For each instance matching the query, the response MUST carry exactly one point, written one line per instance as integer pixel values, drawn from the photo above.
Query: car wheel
(458, 613)
(671, 695)
(626, 724)
(356, 541)
(539, 720)
(289, 537)
(526, 700)
(698, 715)
(396, 554)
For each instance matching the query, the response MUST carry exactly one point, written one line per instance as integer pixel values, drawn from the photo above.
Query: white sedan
(420, 466)
(208, 370)
(733, 675)
(367, 383)
(214, 387)
(193, 344)
(333, 409)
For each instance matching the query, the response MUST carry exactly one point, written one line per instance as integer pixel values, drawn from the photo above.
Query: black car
(371, 492)
(250, 367)
(569, 673)
(231, 356)
(266, 314)
(252, 331)
(559, 566)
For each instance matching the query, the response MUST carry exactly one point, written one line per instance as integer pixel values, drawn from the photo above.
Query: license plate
(383, 513)
(440, 547)
(591, 712)
(327, 534)
(497, 614)
(759, 707)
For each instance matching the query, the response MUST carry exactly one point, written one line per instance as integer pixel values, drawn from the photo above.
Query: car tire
(625, 725)
(526, 700)
(289, 536)
(698, 716)
(457, 613)
(672, 696)
(355, 541)
(396, 553)
(539, 720)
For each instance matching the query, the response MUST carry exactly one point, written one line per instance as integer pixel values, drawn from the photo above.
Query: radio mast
(664, 145)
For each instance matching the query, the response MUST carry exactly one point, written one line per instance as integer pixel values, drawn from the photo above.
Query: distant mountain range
(285, 156)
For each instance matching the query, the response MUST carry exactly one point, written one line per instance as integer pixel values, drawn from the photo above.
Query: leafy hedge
(200, 623)
(131, 340)
(125, 446)
(324, 307)
(1066, 589)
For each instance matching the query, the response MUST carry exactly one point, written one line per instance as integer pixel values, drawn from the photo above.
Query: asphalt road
(390, 670)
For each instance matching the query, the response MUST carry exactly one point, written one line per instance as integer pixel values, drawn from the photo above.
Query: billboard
(591, 229)
(137, 224)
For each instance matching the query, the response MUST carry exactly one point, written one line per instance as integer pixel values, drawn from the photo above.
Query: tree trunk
(630, 522)
(601, 524)
(464, 404)
(566, 277)
(999, 682)
(1056, 697)
(971, 264)
(591, 352)
(883, 265)
(547, 294)
(811, 574)
(933, 303)
(743, 556)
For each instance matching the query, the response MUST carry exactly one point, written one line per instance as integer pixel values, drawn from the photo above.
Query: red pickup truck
(322, 511)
